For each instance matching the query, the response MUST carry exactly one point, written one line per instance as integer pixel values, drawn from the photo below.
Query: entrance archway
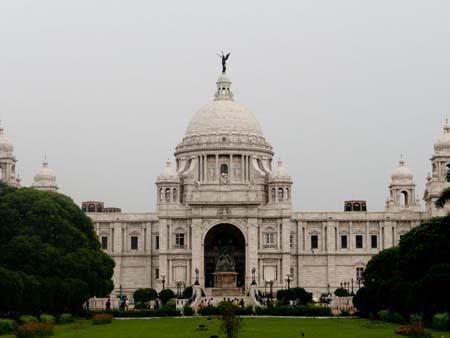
(219, 238)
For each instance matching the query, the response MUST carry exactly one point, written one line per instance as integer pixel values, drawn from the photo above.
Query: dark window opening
(134, 242)
(359, 241)
(344, 242)
(104, 243)
(223, 169)
(374, 241)
(157, 242)
(314, 242)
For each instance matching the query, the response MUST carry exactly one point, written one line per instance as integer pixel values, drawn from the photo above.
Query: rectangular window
(179, 240)
(134, 242)
(104, 243)
(343, 241)
(269, 238)
(157, 242)
(359, 273)
(156, 273)
(314, 242)
(291, 241)
(374, 241)
(359, 241)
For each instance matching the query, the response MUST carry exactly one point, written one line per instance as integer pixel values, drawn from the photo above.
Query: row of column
(245, 167)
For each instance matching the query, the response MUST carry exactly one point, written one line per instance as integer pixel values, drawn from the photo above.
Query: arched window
(274, 194)
(403, 199)
(161, 195)
(223, 169)
(348, 207)
(175, 194)
(356, 207)
(287, 194)
(167, 195)
(91, 208)
(280, 194)
(364, 207)
(99, 208)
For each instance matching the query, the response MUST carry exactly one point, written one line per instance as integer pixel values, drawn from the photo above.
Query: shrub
(66, 318)
(161, 312)
(7, 326)
(144, 295)
(341, 292)
(416, 317)
(390, 316)
(187, 292)
(171, 303)
(165, 295)
(297, 310)
(231, 323)
(188, 311)
(441, 321)
(297, 294)
(34, 330)
(415, 329)
(46, 318)
(27, 319)
(102, 318)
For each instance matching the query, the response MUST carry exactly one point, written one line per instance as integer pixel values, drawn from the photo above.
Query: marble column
(197, 252)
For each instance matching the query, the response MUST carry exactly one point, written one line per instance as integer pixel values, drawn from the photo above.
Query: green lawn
(253, 327)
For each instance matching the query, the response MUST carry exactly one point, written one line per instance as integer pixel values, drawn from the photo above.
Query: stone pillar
(163, 245)
(231, 173)
(285, 249)
(197, 251)
(252, 251)
(217, 178)
(242, 169)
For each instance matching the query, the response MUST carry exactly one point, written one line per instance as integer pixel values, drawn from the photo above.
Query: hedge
(297, 310)
(102, 318)
(7, 326)
(161, 312)
(33, 330)
(441, 321)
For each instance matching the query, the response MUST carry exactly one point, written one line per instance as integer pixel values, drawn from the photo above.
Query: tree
(144, 295)
(50, 250)
(445, 194)
(231, 323)
(412, 277)
(166, 295)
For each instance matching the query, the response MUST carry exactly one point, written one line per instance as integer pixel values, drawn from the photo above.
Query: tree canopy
(50, 257)
(412, 277)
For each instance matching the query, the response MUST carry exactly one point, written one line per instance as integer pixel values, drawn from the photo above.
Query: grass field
(253, 327)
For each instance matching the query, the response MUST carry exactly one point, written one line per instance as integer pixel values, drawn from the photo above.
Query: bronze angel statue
(224, 61)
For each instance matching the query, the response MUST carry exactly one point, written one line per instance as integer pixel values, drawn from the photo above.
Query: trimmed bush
(46, 318)
(341, 292)
(441, 321)
(24, 319)
(34, 330)
(297, 310)
(165, 295)
(187, 292)
(144, 295)
(102, 318)
(416, 317)
(7, 326)
(390, 316)
(298, 294)
(66, 318)
(188, 311)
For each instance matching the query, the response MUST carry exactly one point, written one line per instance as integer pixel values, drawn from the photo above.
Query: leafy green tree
(144, 295)
(231, 323)
(412, 277)
(165, 295)
(50, 255)
(445, 194)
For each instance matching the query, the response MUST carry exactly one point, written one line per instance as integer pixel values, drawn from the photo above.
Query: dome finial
(402, 161)
(224, 61)
(446, 126)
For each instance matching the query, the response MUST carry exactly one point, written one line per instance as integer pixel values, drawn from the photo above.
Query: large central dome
(223, 115)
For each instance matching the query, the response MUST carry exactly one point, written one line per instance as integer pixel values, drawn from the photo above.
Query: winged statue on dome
(224, 61)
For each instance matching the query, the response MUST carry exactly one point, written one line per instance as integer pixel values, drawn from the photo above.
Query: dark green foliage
(161, 312)
(231, 323)
(46, 318)
(27, 319)
(165, 295)
(219, 309)
(412, 277)
(7, 326)
(51, 259)
(187, 292)
(341, 292)
(297, 310)
(441, 321)
(188, 311)
(66, 318)
(297, 294)
(390, 316)
(144, 295)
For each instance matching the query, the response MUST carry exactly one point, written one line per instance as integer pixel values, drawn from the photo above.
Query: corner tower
(7, 161)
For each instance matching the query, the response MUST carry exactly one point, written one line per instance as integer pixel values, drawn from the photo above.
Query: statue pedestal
(225, 280)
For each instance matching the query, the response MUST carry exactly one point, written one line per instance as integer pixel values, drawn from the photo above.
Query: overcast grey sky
(106, 89)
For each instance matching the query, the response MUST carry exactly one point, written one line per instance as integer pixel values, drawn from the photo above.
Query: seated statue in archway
(225, 262)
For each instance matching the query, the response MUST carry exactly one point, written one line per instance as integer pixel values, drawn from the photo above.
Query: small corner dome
(5, 144)
(280, 172)
(168, 172)
(443, 142)
(402, 173)
(45, 178)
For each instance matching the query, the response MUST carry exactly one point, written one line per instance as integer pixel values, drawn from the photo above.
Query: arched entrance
(229, 238)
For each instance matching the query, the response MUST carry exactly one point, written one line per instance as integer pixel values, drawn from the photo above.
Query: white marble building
(226, 190)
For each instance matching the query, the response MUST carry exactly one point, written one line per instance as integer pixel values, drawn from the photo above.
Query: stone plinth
(225, 280)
